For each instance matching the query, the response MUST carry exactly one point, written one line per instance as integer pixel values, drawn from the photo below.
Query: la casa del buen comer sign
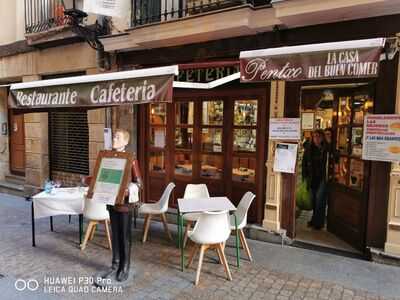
(103, 93)
(351, 63)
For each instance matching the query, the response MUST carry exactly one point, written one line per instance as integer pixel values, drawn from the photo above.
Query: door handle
(15, 127)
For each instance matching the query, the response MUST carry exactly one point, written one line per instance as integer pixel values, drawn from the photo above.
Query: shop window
(183, 138)
(158, 114)
(183, 164)
(244, 140)
(245, 112)
(157, 137)
(213, 112)
(157, 162)
(244, 169)
(184, 113)
(211, 139)
(211, 166)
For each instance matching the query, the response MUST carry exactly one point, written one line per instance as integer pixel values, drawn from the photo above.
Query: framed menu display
(111, 176)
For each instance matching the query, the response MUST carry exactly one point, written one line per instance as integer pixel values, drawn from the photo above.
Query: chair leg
(106, 222)
(93, 231)
(224, 262)
(202, 250)
(87, 235)
(245, 245)
(185, 237)
(146, 227)
(192, 255)
(164, 220)
(219, 254)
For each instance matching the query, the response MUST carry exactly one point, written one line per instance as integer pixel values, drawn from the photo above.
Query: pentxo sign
(322, 61)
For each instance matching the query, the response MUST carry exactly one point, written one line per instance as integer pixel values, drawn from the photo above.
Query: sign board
(285, 158)
(284, 129)
(95, 94)
(113, 8)
(348, 59)
(381, 138)
(307, 120)
(112, 176)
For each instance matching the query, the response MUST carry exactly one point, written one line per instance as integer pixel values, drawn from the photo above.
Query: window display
(157, 137)
(211, 139)
(344, 113)
(245, 112)
(158, 114)
(211, 166)
(244, 140)
(183, 164)
(157, 162)
(342, 140)
(244, 169)
(356, 141)
(213, 112)
(184, 113)
(183, 138)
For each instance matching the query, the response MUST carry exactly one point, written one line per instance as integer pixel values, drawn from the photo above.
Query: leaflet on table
(381, 141)
(108, 180)
(285, 158)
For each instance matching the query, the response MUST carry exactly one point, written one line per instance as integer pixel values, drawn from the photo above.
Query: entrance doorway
(337, 111)
(17, 143)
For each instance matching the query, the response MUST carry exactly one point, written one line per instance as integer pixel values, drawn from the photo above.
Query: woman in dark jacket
(314, 171)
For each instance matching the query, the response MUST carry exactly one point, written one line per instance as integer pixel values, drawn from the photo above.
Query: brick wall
(67, 179)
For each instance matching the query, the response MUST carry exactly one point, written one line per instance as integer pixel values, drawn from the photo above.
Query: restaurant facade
(216, 129)
(219, 135)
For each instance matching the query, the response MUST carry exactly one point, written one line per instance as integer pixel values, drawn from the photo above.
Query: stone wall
(4, 148)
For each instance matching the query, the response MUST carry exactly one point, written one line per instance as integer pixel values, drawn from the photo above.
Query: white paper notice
(284, 129)
(285, 158)
(108, 180)
(381, 139)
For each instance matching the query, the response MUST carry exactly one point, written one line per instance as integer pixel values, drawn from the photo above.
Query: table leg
(80, 228)
(135, 214)
(237, 243)
(69, 219)
(181, 241)
(33, 225)
(51, 224)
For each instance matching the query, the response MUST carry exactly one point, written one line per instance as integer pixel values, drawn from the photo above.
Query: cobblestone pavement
(156, 267)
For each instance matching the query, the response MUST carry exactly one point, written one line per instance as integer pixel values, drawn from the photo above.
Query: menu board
(112, 175)
(285, 158)
(284, 129)
(381, 140)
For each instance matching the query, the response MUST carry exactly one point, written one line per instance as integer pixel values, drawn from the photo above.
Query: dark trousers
(319, 201)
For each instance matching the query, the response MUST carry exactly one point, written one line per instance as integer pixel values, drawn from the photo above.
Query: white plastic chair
(96, 213)
(210, 232)
(193, 191)
(158, 208)
(241, 217)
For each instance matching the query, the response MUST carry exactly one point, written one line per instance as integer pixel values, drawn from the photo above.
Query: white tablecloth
(62, 201)
(205, 204)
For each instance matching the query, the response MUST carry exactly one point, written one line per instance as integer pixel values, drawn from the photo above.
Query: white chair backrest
(196, 191)
(212, 228)
(95, 211)
(163, 202)
(243, 208)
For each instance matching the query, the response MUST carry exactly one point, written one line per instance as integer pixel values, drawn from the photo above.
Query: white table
(198, 205)
(61, 201)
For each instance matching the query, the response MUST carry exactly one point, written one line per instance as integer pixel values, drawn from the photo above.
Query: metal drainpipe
(103, 63)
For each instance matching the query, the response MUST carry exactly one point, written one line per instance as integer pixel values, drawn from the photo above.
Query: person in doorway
(333, 154)
(314, 171)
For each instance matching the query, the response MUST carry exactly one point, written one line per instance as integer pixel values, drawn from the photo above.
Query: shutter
(69, 142)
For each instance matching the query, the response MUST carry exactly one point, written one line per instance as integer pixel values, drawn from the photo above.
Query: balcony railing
(42, 15)
(153, 11)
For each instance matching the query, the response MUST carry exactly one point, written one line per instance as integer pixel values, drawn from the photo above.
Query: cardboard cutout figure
(121, 220)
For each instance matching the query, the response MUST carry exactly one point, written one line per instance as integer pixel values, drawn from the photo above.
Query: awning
(107, 89)
(350, 59)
